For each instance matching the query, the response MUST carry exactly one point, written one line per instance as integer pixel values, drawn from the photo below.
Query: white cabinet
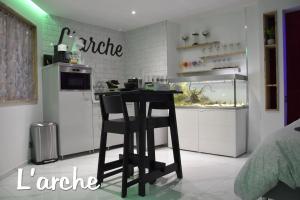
(160, 134)
(187, 124)
(112, 139)
(97, 124)
(75, 127)
(219, 131)
(214, 131)
(70, 109)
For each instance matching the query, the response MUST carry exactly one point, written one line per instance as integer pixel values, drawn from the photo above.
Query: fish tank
(215, 91)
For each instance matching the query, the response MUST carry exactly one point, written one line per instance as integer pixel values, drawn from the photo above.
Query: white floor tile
(205, 177)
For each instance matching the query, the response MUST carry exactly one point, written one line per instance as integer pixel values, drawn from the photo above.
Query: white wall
(254, 78)
(272, 120)
(227, 26)
(105, 67)
(224, 25)
(151, 51)
(173, 33)
(15, 120)
(146, 51)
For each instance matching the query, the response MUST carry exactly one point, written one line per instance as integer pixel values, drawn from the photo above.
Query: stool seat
(158, 121)
(118, 125)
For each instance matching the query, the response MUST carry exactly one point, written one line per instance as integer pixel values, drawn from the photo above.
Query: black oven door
(75, 81)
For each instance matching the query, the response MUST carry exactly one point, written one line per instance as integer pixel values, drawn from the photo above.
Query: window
(18, 72)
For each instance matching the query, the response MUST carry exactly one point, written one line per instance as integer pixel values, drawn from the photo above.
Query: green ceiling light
(35, 7)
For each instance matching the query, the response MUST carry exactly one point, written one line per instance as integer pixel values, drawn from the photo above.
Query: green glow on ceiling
(34, 7)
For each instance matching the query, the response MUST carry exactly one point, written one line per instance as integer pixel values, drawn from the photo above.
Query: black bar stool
(114, 104)
(160, 122)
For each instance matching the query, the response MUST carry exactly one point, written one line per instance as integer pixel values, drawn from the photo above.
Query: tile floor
(205, 177)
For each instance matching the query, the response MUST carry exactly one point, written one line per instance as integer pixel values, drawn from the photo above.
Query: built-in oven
(75, 78)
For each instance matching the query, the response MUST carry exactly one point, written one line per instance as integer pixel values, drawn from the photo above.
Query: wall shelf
(198, 45)
(204, 71)
(270, 46)
(271, 63)
(224, 55)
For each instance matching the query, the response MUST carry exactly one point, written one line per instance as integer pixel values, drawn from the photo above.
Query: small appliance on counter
(133, 83)
(61, 54)
(112, 84)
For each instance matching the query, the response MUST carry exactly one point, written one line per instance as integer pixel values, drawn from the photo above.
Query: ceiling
(116, 14)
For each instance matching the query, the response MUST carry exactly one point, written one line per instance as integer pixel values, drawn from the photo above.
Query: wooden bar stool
(114, 104)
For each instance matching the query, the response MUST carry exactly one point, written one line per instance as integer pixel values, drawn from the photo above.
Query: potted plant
(270, 33)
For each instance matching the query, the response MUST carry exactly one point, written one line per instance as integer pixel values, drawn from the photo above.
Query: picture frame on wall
(18, 59)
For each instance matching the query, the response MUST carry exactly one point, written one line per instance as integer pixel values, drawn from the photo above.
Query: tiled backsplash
(105, 67)
(144, 49)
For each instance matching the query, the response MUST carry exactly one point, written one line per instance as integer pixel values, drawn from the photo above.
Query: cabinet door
(217, 131)
(112, 138)
(75, 122)
(187, 124)
(97, 124)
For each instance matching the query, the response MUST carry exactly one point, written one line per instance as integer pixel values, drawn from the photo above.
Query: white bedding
(276, 159)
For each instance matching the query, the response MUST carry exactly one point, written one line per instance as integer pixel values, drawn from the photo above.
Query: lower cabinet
(214, 131)
(112, 139)
(187, 125)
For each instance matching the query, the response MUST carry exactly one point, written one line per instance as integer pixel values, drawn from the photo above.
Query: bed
(273, 170)
(282, 192)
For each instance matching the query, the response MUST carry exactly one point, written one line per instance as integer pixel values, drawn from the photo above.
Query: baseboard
(10, 172)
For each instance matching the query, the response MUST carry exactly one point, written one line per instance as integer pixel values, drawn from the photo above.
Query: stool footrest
(134, 159)
(113, 173)
(133, 182)
(159, 166)
(158, 173)
(113, 165)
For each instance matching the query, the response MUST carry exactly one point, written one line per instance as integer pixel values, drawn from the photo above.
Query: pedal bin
(43, 142)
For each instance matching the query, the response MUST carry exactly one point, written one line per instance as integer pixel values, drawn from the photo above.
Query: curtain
(17, 70)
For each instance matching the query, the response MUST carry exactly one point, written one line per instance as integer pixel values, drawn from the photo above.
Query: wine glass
(185, 39)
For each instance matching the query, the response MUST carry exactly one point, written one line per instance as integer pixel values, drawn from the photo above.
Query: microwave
(75, 78)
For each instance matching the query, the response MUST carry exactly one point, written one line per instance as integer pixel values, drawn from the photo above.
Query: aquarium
(211, 91)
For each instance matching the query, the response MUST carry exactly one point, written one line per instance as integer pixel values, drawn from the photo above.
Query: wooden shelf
(224, 55)
(221, 68)
(270, 46)
(207, 70)
(198, 45)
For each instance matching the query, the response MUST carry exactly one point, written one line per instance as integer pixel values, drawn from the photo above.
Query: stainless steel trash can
(44, 142)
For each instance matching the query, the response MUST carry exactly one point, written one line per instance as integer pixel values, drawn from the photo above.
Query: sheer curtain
(17, 71)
